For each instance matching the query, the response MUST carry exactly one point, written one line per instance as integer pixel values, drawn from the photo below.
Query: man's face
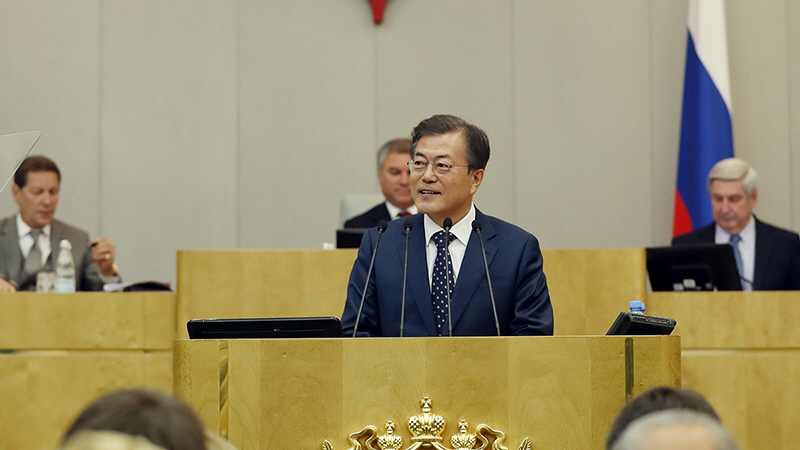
(393, 178)
(442, 196)
(731, 206)
(38, 199)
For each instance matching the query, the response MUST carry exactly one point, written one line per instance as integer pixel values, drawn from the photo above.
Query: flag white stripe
(707, 27)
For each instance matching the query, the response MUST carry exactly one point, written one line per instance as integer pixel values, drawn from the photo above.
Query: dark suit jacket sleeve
(533, 313)
(795, 270)
(368, 325)
(370, 218)
(89, 274)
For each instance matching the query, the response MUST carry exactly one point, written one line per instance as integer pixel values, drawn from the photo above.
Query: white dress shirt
(394, 210)
(458, 247)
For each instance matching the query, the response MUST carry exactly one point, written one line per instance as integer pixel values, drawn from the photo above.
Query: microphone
(407, 224)
(381, 229)
(476, 227)
(448, 223)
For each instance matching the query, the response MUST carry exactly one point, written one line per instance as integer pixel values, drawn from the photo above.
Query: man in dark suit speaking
(449, 156)
(768, 257)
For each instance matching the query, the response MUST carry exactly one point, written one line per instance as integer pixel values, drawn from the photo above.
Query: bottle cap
(637, 305)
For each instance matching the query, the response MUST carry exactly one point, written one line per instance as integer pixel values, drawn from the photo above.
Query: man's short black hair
(34, 163)
(475, 139)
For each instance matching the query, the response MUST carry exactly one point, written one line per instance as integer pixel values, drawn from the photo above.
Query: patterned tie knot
(36, 234)
(735, 239)
(403, 213)
(439, 239)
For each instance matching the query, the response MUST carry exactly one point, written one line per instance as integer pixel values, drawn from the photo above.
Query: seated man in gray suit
(768, 257)
(393, 173)
(34, 231)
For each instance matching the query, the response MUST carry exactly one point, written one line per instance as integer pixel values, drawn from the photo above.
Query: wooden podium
(58, 352)
(561, 392)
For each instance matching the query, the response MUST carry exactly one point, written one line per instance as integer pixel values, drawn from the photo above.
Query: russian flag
(706, 132)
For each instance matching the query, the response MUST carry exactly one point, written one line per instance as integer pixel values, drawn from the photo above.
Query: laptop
(700, 267)
(264, 328)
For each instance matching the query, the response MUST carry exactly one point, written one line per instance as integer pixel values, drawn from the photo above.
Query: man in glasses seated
(447, 291)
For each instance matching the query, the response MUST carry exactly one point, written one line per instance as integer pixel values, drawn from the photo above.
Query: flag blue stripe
(706, 137)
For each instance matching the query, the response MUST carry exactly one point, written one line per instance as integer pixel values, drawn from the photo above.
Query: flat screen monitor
(628, 324)
(264, 328)
(700, 267)
(349, 237)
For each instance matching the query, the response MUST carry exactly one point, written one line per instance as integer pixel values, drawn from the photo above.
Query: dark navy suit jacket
(515, 264)
(777, 265)
(370, 218)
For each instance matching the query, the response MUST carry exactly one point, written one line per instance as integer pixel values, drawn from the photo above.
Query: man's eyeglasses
(420, 166)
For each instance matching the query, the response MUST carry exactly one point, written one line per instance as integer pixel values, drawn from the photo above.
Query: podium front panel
(561, 392)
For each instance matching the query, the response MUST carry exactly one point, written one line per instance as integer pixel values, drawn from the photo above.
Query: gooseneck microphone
(448, 223)
(381, 229)
(476, 227)
(407, 224)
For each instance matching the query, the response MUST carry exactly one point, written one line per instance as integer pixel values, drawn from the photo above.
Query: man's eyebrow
(442, 156)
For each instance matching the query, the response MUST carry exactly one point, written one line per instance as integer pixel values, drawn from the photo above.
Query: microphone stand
(381, 229)
(407, 227)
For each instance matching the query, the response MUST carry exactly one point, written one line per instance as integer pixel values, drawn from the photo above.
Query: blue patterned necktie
(735, 239)
(442, 267)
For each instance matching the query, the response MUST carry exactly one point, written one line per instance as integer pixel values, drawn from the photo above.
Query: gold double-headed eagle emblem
(427, 429)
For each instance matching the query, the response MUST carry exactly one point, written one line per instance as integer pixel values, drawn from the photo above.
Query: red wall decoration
(377, 9)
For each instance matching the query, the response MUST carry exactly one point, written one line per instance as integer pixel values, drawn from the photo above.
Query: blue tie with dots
(442, 267)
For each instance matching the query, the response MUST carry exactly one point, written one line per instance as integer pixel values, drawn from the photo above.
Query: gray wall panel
(306, 74)
(583, 122)
(168, 173)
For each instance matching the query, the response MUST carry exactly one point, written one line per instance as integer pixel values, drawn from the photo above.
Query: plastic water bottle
(637, 307)
(65, 269)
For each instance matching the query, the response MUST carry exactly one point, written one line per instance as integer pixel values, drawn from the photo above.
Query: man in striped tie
(768, 257)
(29, 240)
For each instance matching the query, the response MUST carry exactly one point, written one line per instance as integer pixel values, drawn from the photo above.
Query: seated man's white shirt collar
(26, 240)
(458, 247)
(747, 249)
(394, 210)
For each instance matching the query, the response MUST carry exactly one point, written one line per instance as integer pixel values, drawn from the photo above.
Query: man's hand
(103, 253)
(7, 286)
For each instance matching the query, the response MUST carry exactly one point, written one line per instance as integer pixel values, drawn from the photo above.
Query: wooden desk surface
(741, 350)
(87, 320)
(61, 351)
(731, 320)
